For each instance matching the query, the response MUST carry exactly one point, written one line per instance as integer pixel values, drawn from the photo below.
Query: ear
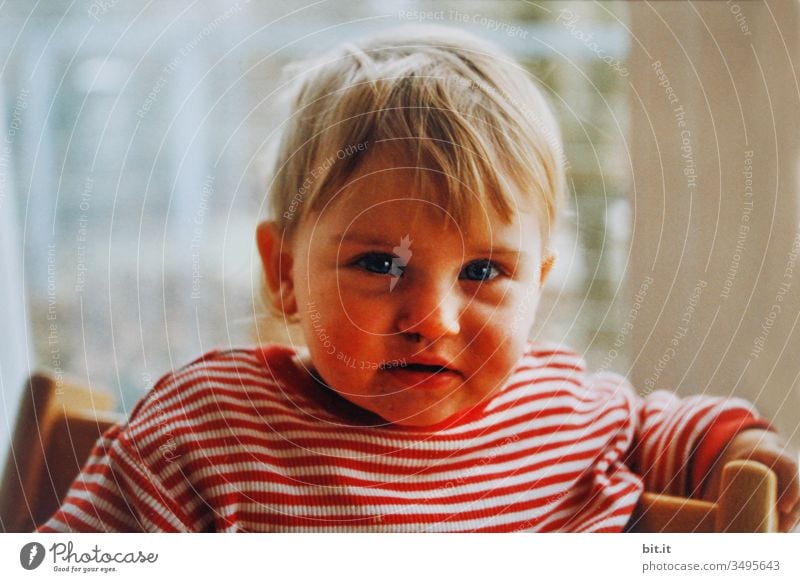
(276, 257)
(548, 261)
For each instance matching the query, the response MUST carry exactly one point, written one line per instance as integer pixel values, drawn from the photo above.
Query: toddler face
(406, 313)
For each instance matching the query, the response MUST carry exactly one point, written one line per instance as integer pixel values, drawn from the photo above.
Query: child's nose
(431, 309)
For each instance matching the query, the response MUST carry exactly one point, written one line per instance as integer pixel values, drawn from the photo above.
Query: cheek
(502, 347)
(508, 315)
(338, 316)
(367, 311)
(502, 329)
(343, 335)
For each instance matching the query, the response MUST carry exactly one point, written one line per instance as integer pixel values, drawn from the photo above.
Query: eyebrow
(377, 240)
(502, 251)
(366, 239)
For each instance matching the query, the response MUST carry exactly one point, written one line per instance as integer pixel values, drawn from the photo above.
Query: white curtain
(14, 361)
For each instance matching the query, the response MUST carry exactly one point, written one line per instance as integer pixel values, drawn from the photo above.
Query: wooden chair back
(57, 426)
(747, 503)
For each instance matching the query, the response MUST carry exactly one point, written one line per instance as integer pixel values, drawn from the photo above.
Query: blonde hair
(453, 103)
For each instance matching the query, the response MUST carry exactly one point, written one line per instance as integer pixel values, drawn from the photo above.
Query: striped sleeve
(129, 483)
(139, 475)
(116, 493)
(670, 431)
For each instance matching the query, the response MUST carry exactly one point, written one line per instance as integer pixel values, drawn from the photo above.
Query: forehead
(391, 174)
(388, 199)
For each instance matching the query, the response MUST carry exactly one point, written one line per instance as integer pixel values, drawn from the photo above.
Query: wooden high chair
(57, 426)
(747, 503)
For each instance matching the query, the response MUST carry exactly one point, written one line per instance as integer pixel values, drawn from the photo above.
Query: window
(137, 162)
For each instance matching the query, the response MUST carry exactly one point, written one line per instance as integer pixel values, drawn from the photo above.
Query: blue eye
(481, 270)
(378, 263)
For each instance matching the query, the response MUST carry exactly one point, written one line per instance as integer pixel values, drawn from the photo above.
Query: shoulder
(553, 356)
(214, 371)
(216, 385)
(194, 418)
(549, 362)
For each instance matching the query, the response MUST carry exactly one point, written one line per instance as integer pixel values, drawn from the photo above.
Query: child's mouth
(415, 375)
(416, 367)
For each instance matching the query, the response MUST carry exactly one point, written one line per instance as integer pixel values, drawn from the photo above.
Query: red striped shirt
(245, 440)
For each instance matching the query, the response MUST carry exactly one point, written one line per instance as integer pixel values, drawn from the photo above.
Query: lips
(431, 366)
(426, 368)
(423, 373)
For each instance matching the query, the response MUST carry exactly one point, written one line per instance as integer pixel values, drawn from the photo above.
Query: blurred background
(132, 176)
(138, 166)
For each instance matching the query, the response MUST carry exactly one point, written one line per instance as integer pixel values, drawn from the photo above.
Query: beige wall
(718, 248)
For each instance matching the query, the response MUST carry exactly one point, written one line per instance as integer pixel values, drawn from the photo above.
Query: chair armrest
(747, 503)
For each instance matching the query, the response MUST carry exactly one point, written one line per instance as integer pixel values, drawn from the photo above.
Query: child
(414, 195)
